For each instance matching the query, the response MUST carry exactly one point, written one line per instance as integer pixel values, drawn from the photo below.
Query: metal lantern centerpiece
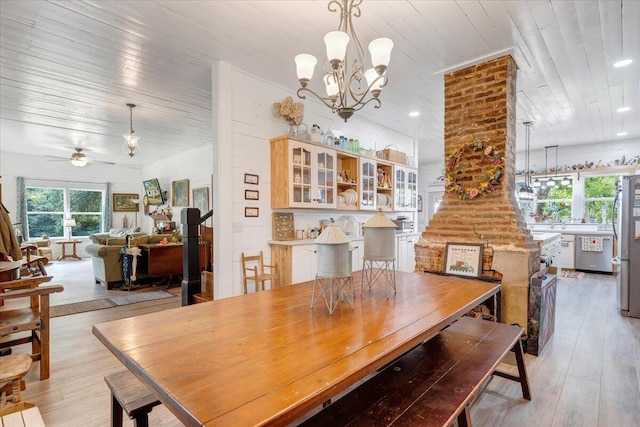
(334, 269)
(379, 261)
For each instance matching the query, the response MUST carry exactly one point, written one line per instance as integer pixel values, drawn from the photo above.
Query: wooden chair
(256, 272)
(206, 235)
(13, 368)
(32, 265)
(33, 319)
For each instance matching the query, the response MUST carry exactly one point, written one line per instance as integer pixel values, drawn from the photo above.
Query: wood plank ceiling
(67, 68)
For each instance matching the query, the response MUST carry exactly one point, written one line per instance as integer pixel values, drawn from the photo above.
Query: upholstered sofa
(105, 254)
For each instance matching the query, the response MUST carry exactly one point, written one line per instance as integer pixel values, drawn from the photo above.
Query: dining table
(268, 358)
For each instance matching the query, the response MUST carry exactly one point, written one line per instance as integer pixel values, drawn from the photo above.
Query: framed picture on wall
(124, 202)
(251, 178)
(463, 259)
(201, 199)
(251, 195)
(250, 212)
(180, 193)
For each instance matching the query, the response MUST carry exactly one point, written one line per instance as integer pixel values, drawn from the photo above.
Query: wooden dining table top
(268, 358)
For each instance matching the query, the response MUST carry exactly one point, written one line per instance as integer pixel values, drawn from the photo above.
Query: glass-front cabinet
(367, 184)
(302, 175)
(405, 189)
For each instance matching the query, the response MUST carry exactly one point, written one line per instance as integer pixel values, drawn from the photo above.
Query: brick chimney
(480, 105)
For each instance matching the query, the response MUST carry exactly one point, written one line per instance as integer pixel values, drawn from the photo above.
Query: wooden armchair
(33, 319)
(253, 268)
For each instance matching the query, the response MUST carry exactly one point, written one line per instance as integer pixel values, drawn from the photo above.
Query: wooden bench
(28, 418)
(432, 384)
(128, 394)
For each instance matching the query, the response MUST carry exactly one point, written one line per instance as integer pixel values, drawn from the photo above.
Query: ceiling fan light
(79, 161)
(305, 64)
(336, 43)
(380, 50)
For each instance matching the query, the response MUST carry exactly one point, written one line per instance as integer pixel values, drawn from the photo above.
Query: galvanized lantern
(334, 269)
(379, 260)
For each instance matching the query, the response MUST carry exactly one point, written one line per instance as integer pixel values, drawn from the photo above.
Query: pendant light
(131, 146)
(526, 192)
(566, 181)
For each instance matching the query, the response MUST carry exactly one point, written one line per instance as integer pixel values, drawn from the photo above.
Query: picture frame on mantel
(463, 259)
(180, 193)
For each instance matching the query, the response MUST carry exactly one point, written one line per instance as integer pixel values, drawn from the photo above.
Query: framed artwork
(180, 193)
(251, 195)
(251, 179)
(153, 192)
(251, 212)
(124, 202)
(201, 199)
(463, 259)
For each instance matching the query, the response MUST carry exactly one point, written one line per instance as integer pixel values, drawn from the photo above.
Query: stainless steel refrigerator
(626, 227)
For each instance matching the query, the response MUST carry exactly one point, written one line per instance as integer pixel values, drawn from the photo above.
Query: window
(554, 203)
(599, 194)
(47, 207)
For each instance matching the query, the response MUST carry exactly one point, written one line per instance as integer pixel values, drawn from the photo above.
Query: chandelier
(130, 145)
(349, 87)
(526, 192)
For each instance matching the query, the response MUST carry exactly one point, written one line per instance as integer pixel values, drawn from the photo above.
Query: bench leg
(116, 412)
(464, 419)
(522, 370)
(141, 419)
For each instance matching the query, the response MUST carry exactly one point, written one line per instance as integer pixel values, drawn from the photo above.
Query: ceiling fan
(80, 159)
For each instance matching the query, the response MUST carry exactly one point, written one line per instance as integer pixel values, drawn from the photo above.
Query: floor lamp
(69, 223)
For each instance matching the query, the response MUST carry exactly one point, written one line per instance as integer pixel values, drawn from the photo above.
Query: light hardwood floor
(588, 375)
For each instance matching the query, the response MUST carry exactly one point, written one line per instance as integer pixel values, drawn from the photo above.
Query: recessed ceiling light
(622, 133)
(414, 114)
(623, 109)
(623, 63)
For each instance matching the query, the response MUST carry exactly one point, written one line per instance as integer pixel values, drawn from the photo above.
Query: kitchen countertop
(576, 232)
(312, 241)
(544, 238)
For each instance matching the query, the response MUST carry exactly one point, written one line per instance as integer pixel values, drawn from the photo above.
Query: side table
(64, 244)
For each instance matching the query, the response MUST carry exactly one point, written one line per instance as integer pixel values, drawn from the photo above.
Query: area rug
(572, 274)
(99, 304)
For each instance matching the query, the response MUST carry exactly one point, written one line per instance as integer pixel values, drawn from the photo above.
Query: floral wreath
(491, 177)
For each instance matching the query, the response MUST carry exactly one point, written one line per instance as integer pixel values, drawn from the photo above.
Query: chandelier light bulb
(331, 85)
(374, 80)
(336, 42)
(380, 50)
(305, 65)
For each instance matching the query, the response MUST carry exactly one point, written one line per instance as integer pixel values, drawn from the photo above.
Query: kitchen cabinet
(405, 252)
(348, 180)
(357, 252)
(304, 263)
(302, 175)
(405, 189)
(567, 258)
(368, 192)
(384, 186)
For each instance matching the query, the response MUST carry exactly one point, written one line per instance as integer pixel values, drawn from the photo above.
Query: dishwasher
(589, 256)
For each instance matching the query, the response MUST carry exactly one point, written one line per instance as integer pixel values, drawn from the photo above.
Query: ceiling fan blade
(101, 161)
(56, 158)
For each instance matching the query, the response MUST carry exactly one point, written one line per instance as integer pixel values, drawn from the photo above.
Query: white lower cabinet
(567, 258)
(304, 263)
(357, 252)
(406, 253)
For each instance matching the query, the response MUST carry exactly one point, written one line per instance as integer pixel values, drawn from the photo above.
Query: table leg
(75, 255)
